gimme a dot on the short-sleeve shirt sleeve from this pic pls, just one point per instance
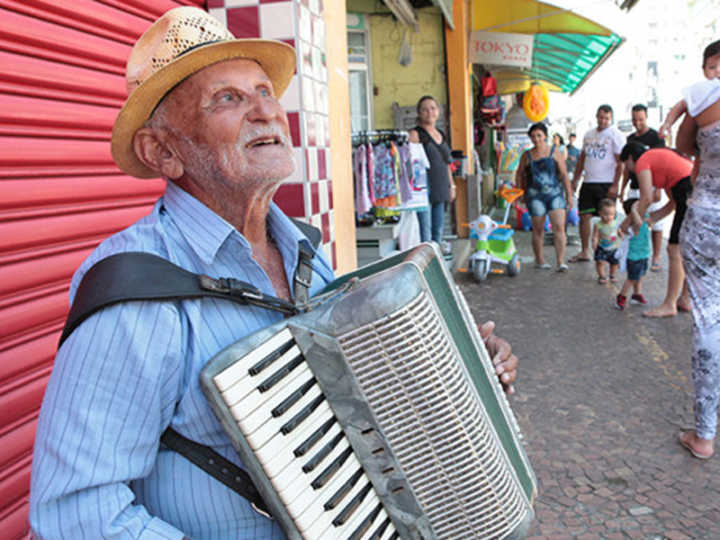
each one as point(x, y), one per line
point(701, 95)
point(618, 142)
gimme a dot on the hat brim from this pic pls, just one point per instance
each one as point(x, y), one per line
point(275, 57)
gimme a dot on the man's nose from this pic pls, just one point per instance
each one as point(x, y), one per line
point(263, 108)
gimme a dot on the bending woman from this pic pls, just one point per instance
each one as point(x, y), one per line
point(700, 247)
point(663, 168)
point(542, 174)
point(440, 184)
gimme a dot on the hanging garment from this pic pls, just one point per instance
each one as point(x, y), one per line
point(363, 202)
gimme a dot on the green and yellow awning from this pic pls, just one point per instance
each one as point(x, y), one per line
point(567, 48)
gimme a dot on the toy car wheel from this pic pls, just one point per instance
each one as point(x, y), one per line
point(480, 269)
point(513, 266)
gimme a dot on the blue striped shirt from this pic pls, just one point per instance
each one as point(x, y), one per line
point(131, 370)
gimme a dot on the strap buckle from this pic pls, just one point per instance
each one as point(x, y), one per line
point(261, 512)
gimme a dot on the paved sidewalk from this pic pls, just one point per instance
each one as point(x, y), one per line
point(600, 398)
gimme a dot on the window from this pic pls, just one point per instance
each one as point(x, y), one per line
point(359, 74)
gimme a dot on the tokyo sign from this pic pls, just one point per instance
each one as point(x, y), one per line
point(498, 49)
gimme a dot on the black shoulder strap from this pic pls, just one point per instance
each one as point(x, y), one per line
point(129, 276)
point(216, 466)
point(142, 276)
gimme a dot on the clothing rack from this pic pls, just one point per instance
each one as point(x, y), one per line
point(379, 136)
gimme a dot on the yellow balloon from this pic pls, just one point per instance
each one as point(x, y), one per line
point(536, 102)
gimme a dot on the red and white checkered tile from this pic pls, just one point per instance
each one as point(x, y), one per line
point(308, 193)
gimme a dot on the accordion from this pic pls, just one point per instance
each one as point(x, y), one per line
point(378, 413)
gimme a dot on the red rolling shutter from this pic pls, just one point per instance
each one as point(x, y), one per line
point(61, 85)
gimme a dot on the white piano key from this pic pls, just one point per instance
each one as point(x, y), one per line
point(388, 532)
point(379, 519)
point(274, 444)
point(293, 478)
point(239, 369)
point(305, 515)
point(278, 460)
point(281, 485)
point(314, 516)
point(271, 427)
point(246, 388)
point(365, 508)
point(255, 417)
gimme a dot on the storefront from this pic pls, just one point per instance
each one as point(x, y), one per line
point(61, 87)
point(524, 43)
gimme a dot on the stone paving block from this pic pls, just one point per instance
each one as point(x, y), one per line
point(640, 511)
point(676, 535)
point(603, 441)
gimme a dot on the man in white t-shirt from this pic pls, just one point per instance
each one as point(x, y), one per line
point(600, 162)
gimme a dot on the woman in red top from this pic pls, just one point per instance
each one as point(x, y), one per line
point(663, 168)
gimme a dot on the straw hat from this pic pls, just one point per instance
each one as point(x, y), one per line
point(182, 42)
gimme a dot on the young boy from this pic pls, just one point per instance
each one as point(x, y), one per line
point(638, 255)
point(606, 240)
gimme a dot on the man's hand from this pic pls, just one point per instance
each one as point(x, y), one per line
point(502, 358)
point(612, 192)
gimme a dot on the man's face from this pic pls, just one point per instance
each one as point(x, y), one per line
point(229, 128)
point(639, 121)
point(571, 139)
point(603, 119)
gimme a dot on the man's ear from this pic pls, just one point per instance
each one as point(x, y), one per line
point(152, 149)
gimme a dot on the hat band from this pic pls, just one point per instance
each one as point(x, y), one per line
point(200, 45)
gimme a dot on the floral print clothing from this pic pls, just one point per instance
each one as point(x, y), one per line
point(700, 246)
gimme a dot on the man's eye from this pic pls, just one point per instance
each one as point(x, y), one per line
point(227, 97)
point(264, 92)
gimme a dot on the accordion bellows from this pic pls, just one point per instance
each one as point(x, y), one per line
point(378, 413)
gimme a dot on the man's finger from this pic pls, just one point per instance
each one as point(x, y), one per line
point(486, 329)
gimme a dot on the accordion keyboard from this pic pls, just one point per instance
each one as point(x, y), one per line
point(280, 409)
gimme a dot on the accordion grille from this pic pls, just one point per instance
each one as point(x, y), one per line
point(412, 377)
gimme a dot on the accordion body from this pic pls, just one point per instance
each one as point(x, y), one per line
point(378, 413)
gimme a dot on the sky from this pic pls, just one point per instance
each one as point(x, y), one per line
point(623, 79)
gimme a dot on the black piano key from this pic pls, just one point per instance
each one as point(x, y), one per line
point(322, 453)
point(280, 374)
point(338, 496)
point(292, 398)
point(350, 508)
point(270, 358)
point(301, 415)
point(377, 535)
point(365, 525)
point(331, 469)
point(394, 536)
point(313, 438)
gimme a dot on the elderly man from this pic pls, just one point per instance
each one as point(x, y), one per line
point(202, 112)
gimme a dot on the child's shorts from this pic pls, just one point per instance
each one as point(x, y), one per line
point(636, 269)
point(608, 255)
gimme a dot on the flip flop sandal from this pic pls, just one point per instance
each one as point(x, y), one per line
point(602, 280)
point(613, 279)
point(578, 259)
point(690, 449)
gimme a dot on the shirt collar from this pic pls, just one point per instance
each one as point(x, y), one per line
point(206, 232)
point(203, 230)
